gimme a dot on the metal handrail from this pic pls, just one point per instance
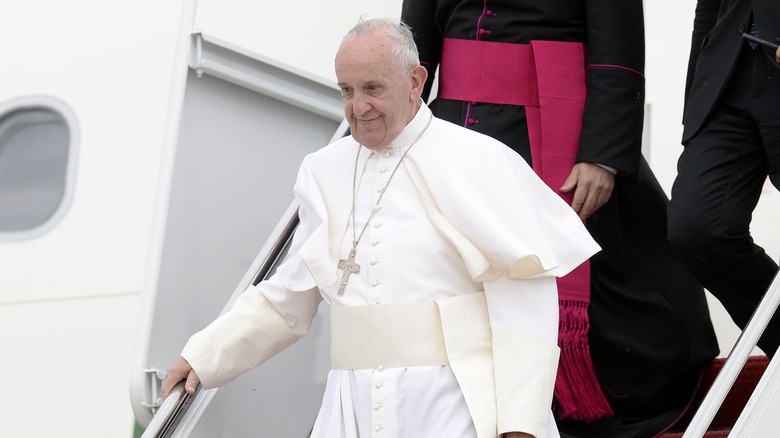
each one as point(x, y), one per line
point(277, 248)
point(167, 418)
point(170, 412)
point(735, 362)
point(173, 408)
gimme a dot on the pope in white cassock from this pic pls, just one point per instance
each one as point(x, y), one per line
point(437, 248)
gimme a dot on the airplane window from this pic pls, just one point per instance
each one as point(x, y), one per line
point(37, 161)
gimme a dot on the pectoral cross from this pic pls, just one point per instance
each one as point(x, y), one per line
point(350, 267)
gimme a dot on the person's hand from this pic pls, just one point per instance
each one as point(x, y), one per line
point(777, 55)
point(518, 435)
point(179, 370)
point(592, 185)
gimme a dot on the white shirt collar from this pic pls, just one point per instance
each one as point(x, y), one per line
point(412, 130)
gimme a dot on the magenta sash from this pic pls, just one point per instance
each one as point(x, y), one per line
point(548, 79)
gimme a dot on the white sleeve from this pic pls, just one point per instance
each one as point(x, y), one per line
point(250, 333)
point(524, 306)
point(524, 323)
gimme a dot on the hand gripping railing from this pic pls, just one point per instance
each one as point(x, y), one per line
point(173, 408)
point(170, 412)
point(735, 362)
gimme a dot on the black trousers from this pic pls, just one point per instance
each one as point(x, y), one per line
point(721, 173)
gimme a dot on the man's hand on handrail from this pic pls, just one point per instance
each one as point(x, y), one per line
point(180, 370)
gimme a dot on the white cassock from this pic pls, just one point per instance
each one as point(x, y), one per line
point(464, 225)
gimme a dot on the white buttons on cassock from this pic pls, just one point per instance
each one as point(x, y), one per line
point(382, 401)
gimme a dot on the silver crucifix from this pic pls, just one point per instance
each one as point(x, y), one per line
point(350, 267)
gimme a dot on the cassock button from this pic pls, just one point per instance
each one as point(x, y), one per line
point(375, 283)
point(387, 154)
point(484, 32)
point(377, 225)
point(375, 243)
point(379, 385)
point(377, 428)
point(383, 170)
point(377, 407)
point(373, 262)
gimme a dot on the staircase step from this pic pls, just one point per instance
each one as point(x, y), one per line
point(732, 405)
point(714, 433)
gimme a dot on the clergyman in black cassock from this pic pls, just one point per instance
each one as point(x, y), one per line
point(650, 332)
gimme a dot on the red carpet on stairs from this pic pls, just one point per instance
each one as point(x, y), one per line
point(732, 405)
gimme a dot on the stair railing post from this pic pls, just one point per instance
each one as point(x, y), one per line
point(735, 362)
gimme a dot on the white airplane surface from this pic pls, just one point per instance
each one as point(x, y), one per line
point(77, 284)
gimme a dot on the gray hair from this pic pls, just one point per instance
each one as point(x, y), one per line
point(404, 49)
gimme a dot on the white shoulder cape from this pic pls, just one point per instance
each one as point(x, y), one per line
point(481, 195)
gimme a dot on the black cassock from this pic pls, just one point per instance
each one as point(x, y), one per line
point(650, 329)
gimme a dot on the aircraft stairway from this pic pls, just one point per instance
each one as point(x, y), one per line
point(239, 126)
point(732, 405)
point(281, 388)
point(738, 395)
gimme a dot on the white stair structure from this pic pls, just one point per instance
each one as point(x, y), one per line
point(759, 418)
point(245, 124)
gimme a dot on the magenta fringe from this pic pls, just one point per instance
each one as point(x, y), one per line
point(578, 395)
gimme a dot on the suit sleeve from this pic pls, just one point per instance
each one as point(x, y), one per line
point(614, 106)
point(703, 22)
point(420, 16)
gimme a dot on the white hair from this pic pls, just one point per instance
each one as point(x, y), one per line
point(404, 50)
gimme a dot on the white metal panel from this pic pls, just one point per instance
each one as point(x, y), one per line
point(764, 395)
point(759, 418)
point(69, 297)
point(245, 125)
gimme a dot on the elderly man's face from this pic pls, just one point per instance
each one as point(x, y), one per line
point(380, 97)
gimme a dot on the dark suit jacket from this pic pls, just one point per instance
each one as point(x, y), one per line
point(715, 46)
